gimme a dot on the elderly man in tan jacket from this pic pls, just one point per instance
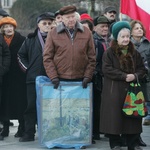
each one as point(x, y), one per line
point(69, 53)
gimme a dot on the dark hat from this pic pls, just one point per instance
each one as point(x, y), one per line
point(46, 15)
point(67, 10)
point(95, 21)
point(3, 13)
point(110, 9)
point(118, 26)
point(57, 13)
point(102, 20)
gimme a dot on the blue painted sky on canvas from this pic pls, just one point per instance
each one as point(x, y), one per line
point(71, 91)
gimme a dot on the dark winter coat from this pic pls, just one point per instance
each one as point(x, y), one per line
point(143, 47)
point(115, 68)
point(105, 43)
point(4, 61)
point(30, 57)
point(97, 77)
point(14, 100)
point(69, 58)
point(4, 58)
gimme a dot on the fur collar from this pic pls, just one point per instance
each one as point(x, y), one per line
point(126, 61)
point(61, 27)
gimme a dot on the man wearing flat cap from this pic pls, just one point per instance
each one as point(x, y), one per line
point(102, 42)
point(58, 17)
point(110, 13)
point(102, 31)
point(30, 58)
point(69, 53)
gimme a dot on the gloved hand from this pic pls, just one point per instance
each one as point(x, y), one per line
point(85, 82)
point(55, 81)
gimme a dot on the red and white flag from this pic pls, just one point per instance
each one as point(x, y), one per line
point(138, 10)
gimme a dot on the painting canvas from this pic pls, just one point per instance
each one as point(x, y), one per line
point(64, 114)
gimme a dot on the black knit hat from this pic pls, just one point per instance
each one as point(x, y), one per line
point(46, 15)
point(3, 13)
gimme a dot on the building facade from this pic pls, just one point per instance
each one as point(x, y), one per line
point(7, 4)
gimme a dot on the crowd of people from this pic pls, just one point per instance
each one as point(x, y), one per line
point(72, 46)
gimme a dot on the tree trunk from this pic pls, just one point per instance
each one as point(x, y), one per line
point(0, 4)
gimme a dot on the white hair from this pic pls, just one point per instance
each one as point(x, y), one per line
point(123, 29)
point(77, 16)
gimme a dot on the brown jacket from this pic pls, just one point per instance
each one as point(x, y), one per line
point(66, 58)
point(115, 68)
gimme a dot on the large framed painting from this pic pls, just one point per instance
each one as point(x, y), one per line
point(64, 114)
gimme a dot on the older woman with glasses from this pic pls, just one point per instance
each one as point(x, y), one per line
point(31, 61)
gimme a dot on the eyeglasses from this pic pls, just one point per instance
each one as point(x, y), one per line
point(46, 23)
point(112, 12)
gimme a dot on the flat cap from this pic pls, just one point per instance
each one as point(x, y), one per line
point(3, 13)
point(110, 9)
point(46, 15)
point(67, 10)
point(102, 20)
point(57, 13)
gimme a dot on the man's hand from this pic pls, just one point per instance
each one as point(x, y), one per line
point(130, 77)
point(55, 81)
point(85, 82)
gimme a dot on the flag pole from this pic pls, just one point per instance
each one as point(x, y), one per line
point(120, 16)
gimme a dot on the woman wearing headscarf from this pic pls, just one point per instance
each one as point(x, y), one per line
point(121, 63)
point(14, 100)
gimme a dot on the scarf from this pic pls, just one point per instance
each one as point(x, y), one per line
point(42, 38)
point(125, 60)
point(8, 39)
point(136, 43)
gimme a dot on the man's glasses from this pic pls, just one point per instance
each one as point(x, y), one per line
point(112, 12)
point(46, 23)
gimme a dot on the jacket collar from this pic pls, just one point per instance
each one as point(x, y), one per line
point(61, 27)
point(126, 61)
point(117, 50)
point(143, 40)
point(97, 36)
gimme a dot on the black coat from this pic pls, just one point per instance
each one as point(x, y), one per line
point(14, 100)
point(30, 57)
point(4, 58)
point(4, 61)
